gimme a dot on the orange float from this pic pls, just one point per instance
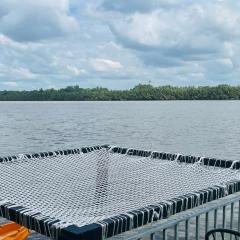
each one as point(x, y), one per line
point(13, 231)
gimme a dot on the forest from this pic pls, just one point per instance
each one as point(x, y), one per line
point(138, 93)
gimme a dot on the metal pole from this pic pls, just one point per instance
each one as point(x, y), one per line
point(197, 227)
point(164, 234)
point(231, 216)
point(153, 236)
point(239, 216)
point(176, 232)
point(215, 218)
point(224, 217)
point(186, 229)
point(215, 221)
point(206, 222)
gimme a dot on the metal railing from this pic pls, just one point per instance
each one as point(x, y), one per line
point(191, 224)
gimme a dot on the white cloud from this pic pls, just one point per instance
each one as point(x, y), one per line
point(104, 65)
point(195, 27)
point(120, 44)
point(10, 84)
point(176, 35)
point(126, 6)
point(5, 41)
point(16, 73)
point(224, 65)
point(23, 73)
point(75, 70)
point(29, 20)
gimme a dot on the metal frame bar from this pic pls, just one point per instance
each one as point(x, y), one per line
point(174, 220)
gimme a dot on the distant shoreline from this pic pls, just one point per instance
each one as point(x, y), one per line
point(138, 93)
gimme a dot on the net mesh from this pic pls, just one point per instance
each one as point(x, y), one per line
point(85, 188)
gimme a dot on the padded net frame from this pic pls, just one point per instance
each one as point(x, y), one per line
point(101, 191)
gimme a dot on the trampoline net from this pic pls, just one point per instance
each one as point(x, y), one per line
point(80, 189)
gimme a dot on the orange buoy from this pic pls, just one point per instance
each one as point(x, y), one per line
point(13, 231)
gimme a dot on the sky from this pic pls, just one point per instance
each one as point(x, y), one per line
point(118, 43)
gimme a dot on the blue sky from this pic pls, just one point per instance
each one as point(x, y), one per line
point(118, 43)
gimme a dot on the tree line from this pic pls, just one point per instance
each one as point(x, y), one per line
point(139, 92)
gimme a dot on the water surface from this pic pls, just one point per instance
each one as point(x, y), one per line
point(206, 128)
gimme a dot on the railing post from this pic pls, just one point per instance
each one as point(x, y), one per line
point(206, 222)
point(231, 216)
point(176, 232)
point(186, 229)
point(153, 236)
point(239, 215)
point(224, 217)
point(197, 227)
point(164, 234)
point(215, 218)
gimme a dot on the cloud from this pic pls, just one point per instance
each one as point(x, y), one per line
point(29, 20)
point(118, 43)
point(224, 65)
point(126, 6)
point(199, 28)
point(19, 73)
point(10, 84)
point(75, 70)
point(23, 73)
point(175, 34)
point(129, 6)
point(104, 65)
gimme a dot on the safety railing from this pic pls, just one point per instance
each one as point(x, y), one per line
point(191, 224)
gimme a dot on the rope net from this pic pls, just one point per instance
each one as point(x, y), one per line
point(81, 189)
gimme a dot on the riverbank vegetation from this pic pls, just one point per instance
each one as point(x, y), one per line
point(139, 92)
